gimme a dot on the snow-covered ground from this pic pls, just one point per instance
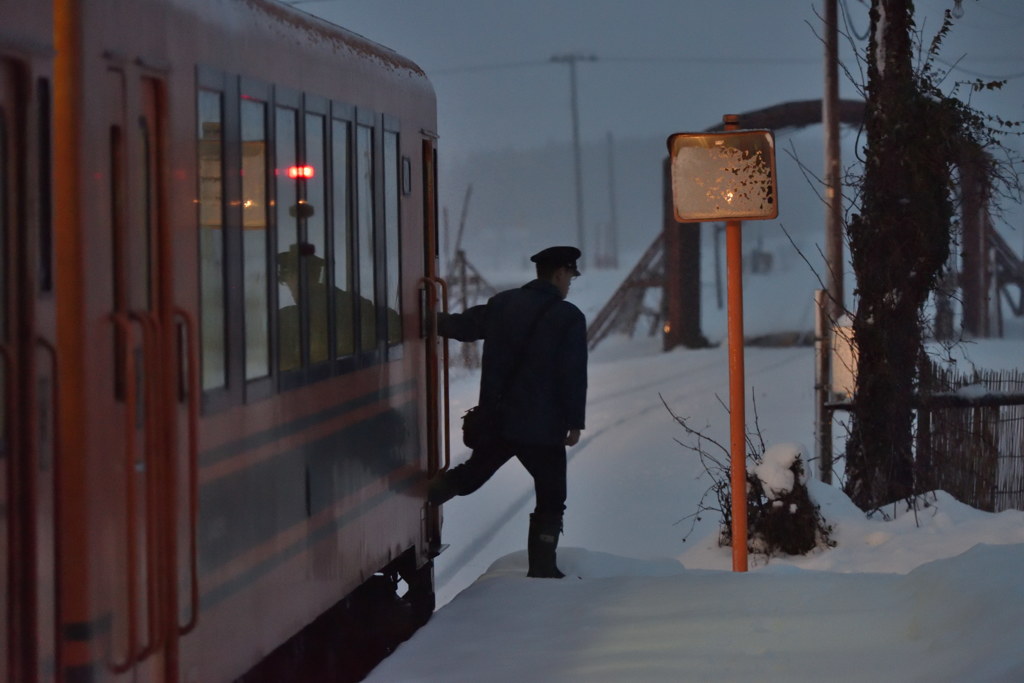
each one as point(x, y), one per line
point(929, 595)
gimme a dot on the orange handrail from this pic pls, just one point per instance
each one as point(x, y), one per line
point(447, 402)
point(440, 284)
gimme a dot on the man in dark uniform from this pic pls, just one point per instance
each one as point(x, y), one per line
point(534, 377)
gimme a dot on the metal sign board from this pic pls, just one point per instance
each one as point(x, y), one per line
point(723, 176)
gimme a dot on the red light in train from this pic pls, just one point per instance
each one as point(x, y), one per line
point(301, 172)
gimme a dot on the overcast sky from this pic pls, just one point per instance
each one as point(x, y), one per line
point(662, 66)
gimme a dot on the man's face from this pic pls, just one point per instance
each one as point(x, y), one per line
point(563, 280)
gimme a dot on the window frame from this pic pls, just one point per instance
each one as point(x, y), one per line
point(339, 224)
point(220, 397)
point(345, 114)
point(367, 119)
point(390, 125)
point(284, 98)
point(261, 387)
point(320, 107)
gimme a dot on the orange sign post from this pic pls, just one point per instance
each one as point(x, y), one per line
point(728, 176)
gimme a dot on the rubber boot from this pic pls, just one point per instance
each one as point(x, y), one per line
point(542, 544)
point(441, 490)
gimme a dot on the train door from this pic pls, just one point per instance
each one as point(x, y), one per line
point(145, 608)
point(28, 378)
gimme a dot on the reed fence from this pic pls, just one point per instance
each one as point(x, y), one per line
point(970, 440)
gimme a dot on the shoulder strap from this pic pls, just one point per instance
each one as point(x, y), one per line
point(526, 340)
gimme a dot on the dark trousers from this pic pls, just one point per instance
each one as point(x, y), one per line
point(546, 464)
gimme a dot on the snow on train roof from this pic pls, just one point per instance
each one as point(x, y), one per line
point(325, 29)
point(314, 31)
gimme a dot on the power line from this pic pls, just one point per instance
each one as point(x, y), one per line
point(970, 72)
point(848, 20)
point(631, 60)
point(717, 60)
point(489, 67)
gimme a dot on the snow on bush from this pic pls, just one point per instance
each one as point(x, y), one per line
point(781, 517)
point(775, 471)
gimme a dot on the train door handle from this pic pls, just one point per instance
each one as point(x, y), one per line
point(125, 323)
point(447, 403)
point(154, 409)
point(441, 285)
point(425, 308)
point(188, 369)
point(124, 330)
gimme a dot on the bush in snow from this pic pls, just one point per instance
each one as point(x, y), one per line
point(780, 513)
point(781, 517)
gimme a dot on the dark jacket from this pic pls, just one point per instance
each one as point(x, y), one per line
point(548, 394)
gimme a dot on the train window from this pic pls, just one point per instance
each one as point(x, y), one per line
point(213, 309)
point(254, 238)
point(392, 238)
point(365, 236)
point(316, 293)
point(318, 211)
point(344, 322)
point(288, 210)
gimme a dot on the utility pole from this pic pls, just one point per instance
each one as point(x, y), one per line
point(612, 256)
point(571, 60)
point(829, 302)
point(833, 181)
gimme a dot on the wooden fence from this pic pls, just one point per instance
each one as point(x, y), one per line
point(970, 440)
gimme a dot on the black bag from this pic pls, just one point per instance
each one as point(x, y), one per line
point(480, 427)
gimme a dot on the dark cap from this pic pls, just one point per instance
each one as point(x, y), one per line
point(559, 256)
point(288, 261)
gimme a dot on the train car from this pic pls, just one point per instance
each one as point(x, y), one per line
point(222, 398)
